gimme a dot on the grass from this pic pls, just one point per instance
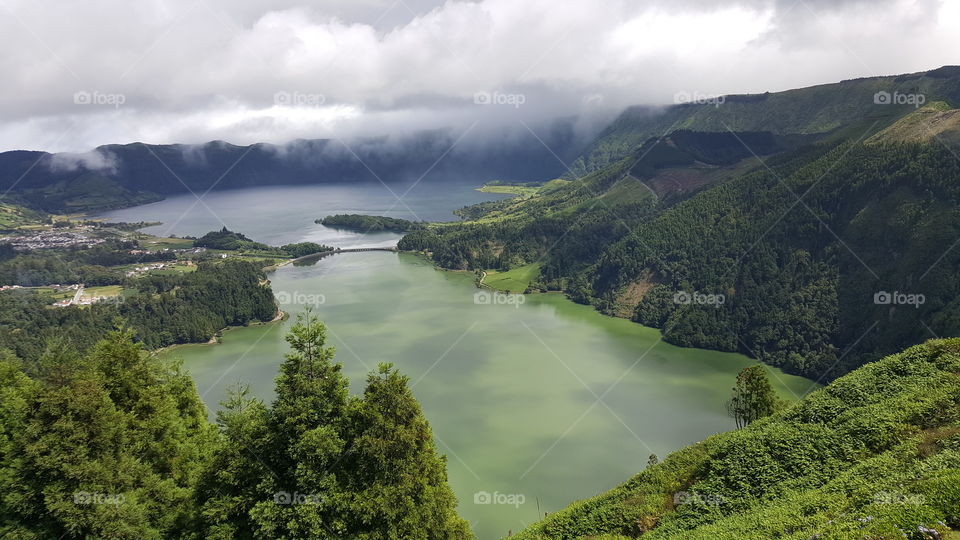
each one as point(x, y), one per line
point(514, 280)
point(12, 217)
point(171, 243)
point(178, 269)
point(523, 191)
point(106, 290)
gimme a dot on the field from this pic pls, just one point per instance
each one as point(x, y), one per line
point(108, 290)
point(513, 280)
point(156, 242)
point(178, 269)
point(507, 188)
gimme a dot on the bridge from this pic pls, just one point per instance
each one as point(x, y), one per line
point(321, 254)
point(351, 250)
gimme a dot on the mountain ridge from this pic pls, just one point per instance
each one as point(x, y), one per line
point(814, 110)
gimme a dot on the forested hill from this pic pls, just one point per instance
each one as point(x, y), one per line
point(875, 454)
point(121, 175)
point(161, 310)
point(819, 111)
point(825, 257)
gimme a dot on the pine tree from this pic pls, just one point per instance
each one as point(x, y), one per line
point(398, 481)
point(306, 428)
point(109, 446)
point(233, 484)
point(320, 464)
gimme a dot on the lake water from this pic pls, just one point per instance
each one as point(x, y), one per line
point(536, 404)
point(286, 214)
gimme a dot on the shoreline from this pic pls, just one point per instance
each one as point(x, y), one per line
point(215, 340)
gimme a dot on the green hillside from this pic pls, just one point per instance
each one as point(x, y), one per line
point(13, 216)
point(875, 454)
point(936, 121)
point(817, 111)
point(89, 192)
point(799, 243)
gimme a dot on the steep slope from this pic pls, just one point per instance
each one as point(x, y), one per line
point(875, 454)
point(936, 121)
point(816, 111)
point(827, 256)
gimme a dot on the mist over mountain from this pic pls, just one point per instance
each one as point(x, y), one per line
point(120, 175)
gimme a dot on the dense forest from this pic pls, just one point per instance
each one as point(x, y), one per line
point(228, 240)
point(798, 249)
point(165, 310)
point(114, 443)
point(88, 265)
point(365, 223)
point(875, 454)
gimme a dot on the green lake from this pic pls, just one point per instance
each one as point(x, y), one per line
point(535, 404)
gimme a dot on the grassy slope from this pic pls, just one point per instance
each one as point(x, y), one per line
point(822, 110)
point(524, 191)
point(13, 216)
point(514, 280)
point(875, 454)
point(936, 121)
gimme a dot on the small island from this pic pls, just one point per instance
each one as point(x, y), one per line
point(367, 223)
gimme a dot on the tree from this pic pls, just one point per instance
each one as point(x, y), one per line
point(110, 445)
point(398, 482)
point(322, 464)
point(753, 397)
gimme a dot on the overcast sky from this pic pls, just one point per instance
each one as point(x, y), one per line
point(80, 74)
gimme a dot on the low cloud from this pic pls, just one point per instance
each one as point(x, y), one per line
point(95, 160)
point(244, 71)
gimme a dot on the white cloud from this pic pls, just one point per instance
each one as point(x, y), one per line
point(194, 71)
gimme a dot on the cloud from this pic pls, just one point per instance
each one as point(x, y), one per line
point(95, 160)
point(245, 71)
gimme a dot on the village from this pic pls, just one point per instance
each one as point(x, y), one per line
point(51, 239)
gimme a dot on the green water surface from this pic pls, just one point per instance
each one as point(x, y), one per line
point(543, 402)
